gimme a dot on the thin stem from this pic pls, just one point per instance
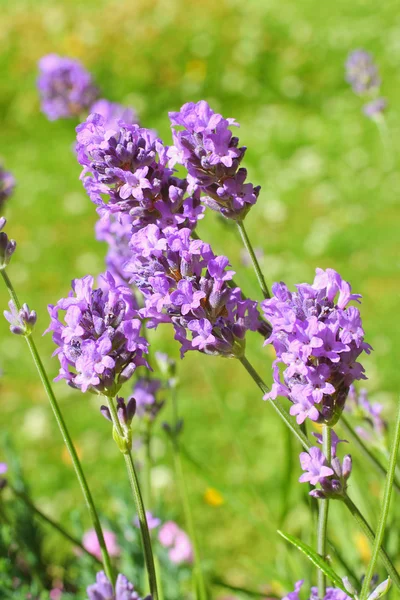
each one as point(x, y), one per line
point(66, 437)
point(140, 509)
point(323, 513)
point(282, 412)
point(365, 527)
point(147, 492)
point(52, 523)
point(384, 510)
point(199, 577)
point(366, 451)
point(256, 265)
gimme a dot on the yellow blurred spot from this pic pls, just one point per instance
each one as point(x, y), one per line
point(213, 497)
point(65, 457)
point(363, 547)
point(271, 351)
point(196, 70)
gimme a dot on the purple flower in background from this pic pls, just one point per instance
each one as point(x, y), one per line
point(99, 343)
point(375, 108)
point(3, 468)
point(361, 72)
point(125, 173)
point(374, 426)
point(103, 590)
point(173, 537)
point(332, 479)
point(112, 112)
point(295, 594)
point(21, 321)
point(7, 246)
point(117, 234)
point(145, 393)
point(210, 153)
point(152, 521)
point(7, 185)
point(334, 441)
point(318, 338)
point(66, 88)
point(91, 543)
point(185, 284)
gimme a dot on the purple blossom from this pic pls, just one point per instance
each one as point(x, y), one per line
point(21, 321)
point(7, 185)
point(99, 343)
point(125, 173)
point(117, 234)
point(91, 542)
point(331, 594)
point(210, 153)
point(7, 246)
point(334, 441)
point(152, 521)
point(295, 594)
point(318, 338)
point(375, 108)
point(3, 468)
point(173, 537)
point(361, 72)
point(103, 590)
point(332, 479)
point(66, 88)
point(185, 284)
point(145, 392)
point(374, 426)
point(112, 112)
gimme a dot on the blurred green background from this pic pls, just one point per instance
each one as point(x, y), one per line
point(330, 198)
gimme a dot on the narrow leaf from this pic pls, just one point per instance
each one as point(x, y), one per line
point(317, 560)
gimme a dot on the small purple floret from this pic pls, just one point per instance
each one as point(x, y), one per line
point(361, 72)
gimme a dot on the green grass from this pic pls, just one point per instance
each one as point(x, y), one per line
point(330, 198)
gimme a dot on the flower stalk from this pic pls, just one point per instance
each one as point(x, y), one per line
point(323, 513)
point(66, 436)
point(256, 265)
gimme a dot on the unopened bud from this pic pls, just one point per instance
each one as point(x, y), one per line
point(381, 590)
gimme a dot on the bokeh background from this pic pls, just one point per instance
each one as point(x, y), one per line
point(330, 198)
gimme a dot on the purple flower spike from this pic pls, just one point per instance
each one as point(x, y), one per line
point(103, 590)
point(315, 466)
point(361, 72)
point(7, 185)
point(185, 284)
point(375, 108)
point(99, 343)
point(374, 426)
point(21, 321)
point(318, 338)
point(65, 87)
point(145, 393)
point(125, 174)
point(210, 153)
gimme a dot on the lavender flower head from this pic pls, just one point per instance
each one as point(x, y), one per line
point(113, 112)
point(145, 392)
point(103, 590)
point(375, 426)
point(66, 88)
point(7, 185)
point(204, 144)
point(361, 72)
point(375, 108)
point(331, 478)
point(125, 173)
point(318, 338)
point(185, 284)
point(99, 343)
point(21, 321)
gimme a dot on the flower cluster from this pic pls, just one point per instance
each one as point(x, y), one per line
point(361, 407)
point(318, 338)
point(7, 184)
point(362, 74)
point(337, 593)
point(125, 173)
point(180, 548)
point(99, 343)
point(113, 112)
point(185, 284)
point(65, 87)
point(209, 151)
point(7, 246)
point(103, 589)
point(332, 478)
point(145, 393)
point(21, 321)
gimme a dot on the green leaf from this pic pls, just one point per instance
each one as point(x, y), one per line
point(317, 560)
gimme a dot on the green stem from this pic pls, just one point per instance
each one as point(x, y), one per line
point(366, 451)
point(365, 527)
point(140, 509)
point(282, 412)
point(323, 513)
point(52, 523)
point(147, 492)
point(66, 437)
point(384, 510)
point(198, 571)
point(256, 265)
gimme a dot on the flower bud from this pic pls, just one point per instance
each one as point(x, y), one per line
point(105, 411)
point(381, 590)
point(7, 249)
point(21, 321)
point(347, 466)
